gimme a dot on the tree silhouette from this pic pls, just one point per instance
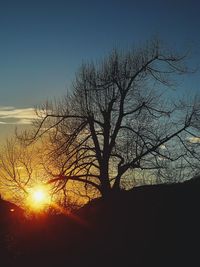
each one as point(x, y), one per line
point(117, 122)
point(19, 168)
point(16, 168)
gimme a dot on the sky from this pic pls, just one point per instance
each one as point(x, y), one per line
point(43, 43)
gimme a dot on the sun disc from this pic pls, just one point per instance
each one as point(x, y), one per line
point(39, 195)
point(38, 198)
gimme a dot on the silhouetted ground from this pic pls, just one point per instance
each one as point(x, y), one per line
point(147, 226)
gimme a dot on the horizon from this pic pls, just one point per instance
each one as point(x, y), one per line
point(111, 90)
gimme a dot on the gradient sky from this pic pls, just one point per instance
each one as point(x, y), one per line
point(43, 43)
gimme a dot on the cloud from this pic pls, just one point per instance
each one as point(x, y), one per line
point(12, 115)
point(162, 146)
point(161, 158)
point(194, 140)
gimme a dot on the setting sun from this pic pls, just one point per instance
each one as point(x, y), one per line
point(38, 198)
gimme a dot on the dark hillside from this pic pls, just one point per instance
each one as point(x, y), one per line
point(146, 226)
point(150, 225)
point(11, 220)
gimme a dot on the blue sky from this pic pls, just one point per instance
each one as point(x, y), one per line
point(43, 43)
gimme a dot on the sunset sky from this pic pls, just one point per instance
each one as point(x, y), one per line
point(43, 43)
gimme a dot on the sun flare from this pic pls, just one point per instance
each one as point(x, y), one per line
point(39, 195)
point(38, 198)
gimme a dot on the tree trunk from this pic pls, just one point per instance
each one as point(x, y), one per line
point(116, 186)
point(105, 183)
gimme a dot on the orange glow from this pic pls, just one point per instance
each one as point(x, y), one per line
point(38, 198)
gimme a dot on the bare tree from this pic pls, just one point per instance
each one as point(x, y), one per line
point(15, 168)
point(117, 123)
point(18, 169)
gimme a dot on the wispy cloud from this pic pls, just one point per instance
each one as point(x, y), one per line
point(12, 115)
point(162, 146)
point(194, 140)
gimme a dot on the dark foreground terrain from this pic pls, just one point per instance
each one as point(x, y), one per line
point(147, 226)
